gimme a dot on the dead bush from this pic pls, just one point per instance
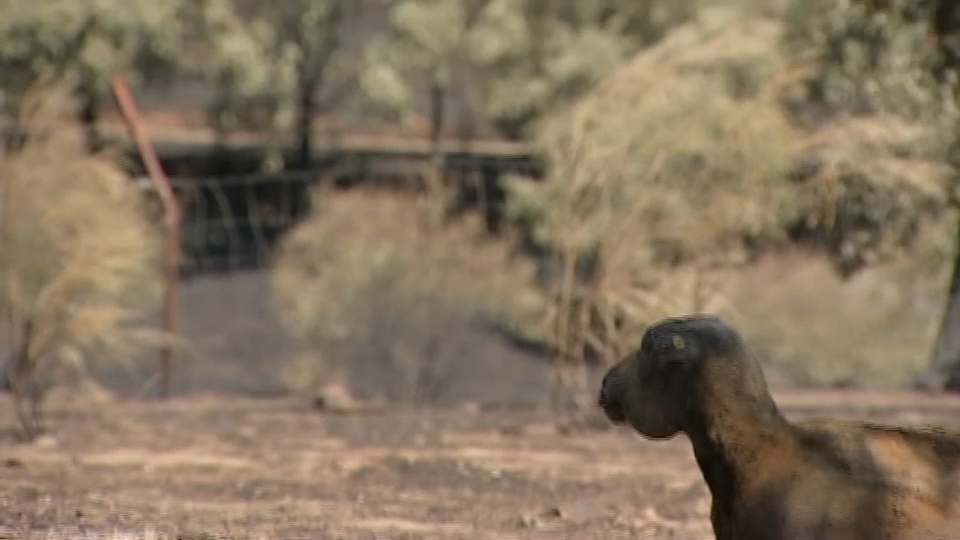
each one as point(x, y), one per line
point(367, 268)
point(679, 160)
point(77, 253)
point(873, 195)
point(881, 120)
point(691, 161)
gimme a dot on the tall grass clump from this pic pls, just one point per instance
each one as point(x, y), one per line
point(78, 255)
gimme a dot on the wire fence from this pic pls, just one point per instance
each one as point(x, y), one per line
point(234, 222)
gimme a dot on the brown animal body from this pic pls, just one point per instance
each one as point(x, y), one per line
point(771, 479)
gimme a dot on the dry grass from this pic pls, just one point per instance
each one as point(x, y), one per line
point(687, 131)
point(78, 254)
point(815, 328)
point(367, 266)
point(682, 167)
point(881, 192)
point(672, 161)
point(881, 126)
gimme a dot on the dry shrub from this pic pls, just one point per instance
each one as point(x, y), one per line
point(876, 192)
point(78, 255)
point(366, 267)
point(686, 165)
point(873, 184)
point(689, 131)
point(672, 167)
point(875, 180)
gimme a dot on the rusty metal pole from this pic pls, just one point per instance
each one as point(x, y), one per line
point(171, 211)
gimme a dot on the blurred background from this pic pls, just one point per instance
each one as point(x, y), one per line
point(487, 201)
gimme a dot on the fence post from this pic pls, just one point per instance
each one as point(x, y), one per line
point(171, 220)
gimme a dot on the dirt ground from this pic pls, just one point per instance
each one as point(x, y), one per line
point(225, 467)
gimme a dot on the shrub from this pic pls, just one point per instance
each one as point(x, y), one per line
point(672, 167)
point(367, 268)
point(78, 252)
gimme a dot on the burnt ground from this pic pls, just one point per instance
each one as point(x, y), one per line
point(211, 466)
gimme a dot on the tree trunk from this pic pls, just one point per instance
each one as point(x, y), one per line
point(317, 40)
point(436, 170)
point(89, 115)
point(493, 200)
point(437, 105)
point(308, 106)
point(946, 357)
point(22, 378)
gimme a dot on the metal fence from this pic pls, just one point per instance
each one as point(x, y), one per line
point(233, 222)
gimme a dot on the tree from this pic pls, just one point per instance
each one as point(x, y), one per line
point(528, 57)
point(640, 220)
point(281, 68)
point(635, 219)
point(248, 77)
point(91, 41)
point(426, 38)
point(539, 54)
point(315, 33)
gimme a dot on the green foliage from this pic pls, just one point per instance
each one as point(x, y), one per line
point(872, 58)
point(426, 39)
point(428, 32)
point(258, 65)
point(383, 83)
point(531, 54)
point(91, 40)
point(539, 55)
point(262, 64)
point(881, 187)
point(253, 75)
